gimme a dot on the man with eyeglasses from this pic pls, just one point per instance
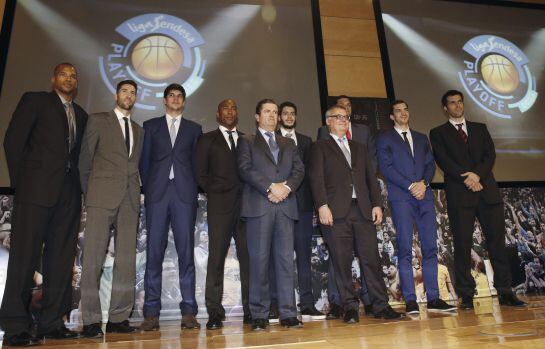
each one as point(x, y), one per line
point(361, 134)
point(42, 145)
point(347, 195)
point(167, 167)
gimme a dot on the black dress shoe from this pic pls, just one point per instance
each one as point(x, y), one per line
point(388, 314)
point(92, 331)
point(291, 322)
point(351, 316)
point(411, 307)
point(119, 327)
point(511, 300)
point(335, 312)
point(368, 309)
point(23, 339)
point(466, 303)
point(312, 313)
point(259, 324)
point(247, 320)
point(214, 323)
point(61, 333)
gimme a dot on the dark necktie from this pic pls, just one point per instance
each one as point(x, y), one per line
point(71, 124)
point(127, 136)
point(273, 146)
point(461, 132)
point(404, 133)
point(231, 140)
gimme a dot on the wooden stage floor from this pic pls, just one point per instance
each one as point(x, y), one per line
point(489, 326)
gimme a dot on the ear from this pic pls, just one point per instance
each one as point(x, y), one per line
point(257, 117)
point(392, 117)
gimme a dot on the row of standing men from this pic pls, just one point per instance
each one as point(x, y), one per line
point(262, 190)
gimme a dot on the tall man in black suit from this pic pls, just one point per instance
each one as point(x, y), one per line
point(217, 175)
point(347, 195)
point(465, 152)
point(271, 170)
point(303, 227)
point(362, 134)
point(42, 146)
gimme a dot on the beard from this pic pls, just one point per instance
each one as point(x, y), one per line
point(287, 127)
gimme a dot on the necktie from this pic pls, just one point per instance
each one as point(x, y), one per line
point(172, 133)
point(348, 135)
point(231, 140)
point(404, 133)
point(344, 149)
point(273, 146)
point(71, 124)
point(461, 132)
point(127, 136)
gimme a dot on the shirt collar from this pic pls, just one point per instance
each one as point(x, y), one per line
point(263, 131)
point(400, 131)
point(177, 117)
point(457, 121)
point(224, 129)
point(284, 131)
point(337, 138)
point(63, 101)
point(120, 115)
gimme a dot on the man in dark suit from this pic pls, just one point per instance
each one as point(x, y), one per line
point(272, 171)
point(303, 227)
point(406, 162)
point(217, 175)
point(465, 152)
point(110, 182)
point(347, 195)
point(167, 168)
point(42, 146)
point(362, 134)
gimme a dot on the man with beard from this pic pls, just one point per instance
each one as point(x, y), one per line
point(110, 181)
point(167, 168)
point(303, 227)
point(42, 145)
point(465, 152)
point(218, 176)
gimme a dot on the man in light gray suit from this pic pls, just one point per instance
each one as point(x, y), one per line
point(108, 166)
point(271, 169)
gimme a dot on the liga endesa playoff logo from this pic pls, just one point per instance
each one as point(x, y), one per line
point(154, 50)
point(497, 76)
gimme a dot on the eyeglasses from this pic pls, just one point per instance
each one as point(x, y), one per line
point(340, 117)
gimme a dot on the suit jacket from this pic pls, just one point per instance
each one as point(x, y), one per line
point(258, 171)
point(303, 194)
point(107, 172)
point(455, 157)
point(217, 172)
point(332, 178)
point(400, 168)
point(158, 155)
point(36, 146)
point(361, 134)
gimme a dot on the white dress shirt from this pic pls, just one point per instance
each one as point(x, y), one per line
point(169, 119)
point(409, 137)
point(225, 134)
point(455, 122)
point(284, 133)
point(120, 117)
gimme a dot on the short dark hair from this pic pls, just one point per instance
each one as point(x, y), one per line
point(396, 102)
point(174, 87)
point(259, 105)
point(341, 97)
point(287, 104)
point(451, 93)
point(126, 82)
point(59, 66)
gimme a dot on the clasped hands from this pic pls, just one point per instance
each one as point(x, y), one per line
point(418, 190)
point(278, 192)
point(472, 181)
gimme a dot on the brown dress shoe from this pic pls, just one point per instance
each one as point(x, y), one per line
point(190, 322)
point(150, 323)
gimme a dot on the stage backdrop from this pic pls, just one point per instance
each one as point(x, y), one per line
point(525, 221)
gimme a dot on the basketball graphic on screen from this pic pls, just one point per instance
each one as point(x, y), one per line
point(500, 74)
point(157, 57)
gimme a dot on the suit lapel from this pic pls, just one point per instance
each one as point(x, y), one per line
point(332, 143)
point(114, 123)
point(61, 112)
point(399, 140)
point(218, 137)
point(136, 137)
point(453, 133)
point(261, 143)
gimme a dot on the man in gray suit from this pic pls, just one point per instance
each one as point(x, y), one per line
point(110, 182)
point(271, 169)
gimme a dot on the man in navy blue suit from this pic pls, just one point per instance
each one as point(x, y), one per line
point(272, 171)
point(406, 161)
point(170, 189)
